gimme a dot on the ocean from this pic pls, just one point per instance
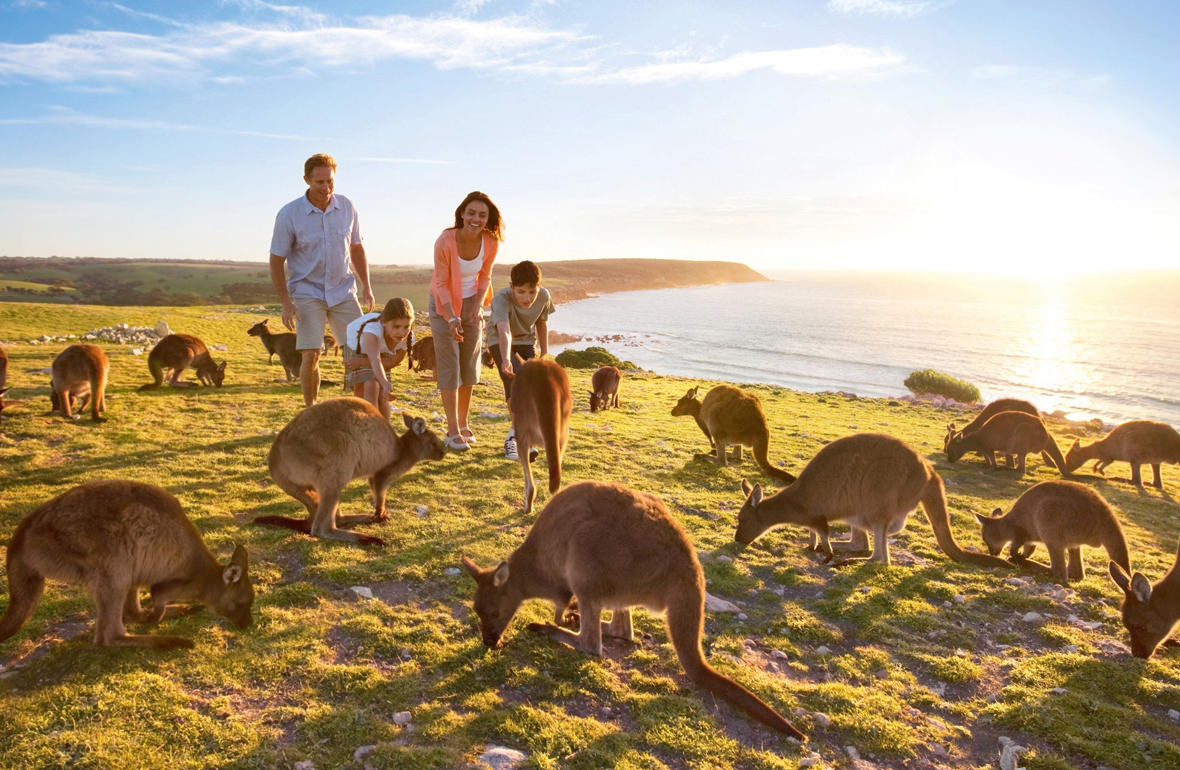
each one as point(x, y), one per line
point(1104, 346)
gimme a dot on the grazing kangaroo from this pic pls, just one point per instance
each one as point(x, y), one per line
point(604, 386)
point(3, 377)
point(1013, 433)
point(1150, 612)
point(610, 548)
point(989, 411)
point(80, 371)
point(870, 480)
point(283, 344)
point(731, 416)
point(422, 355)
point(114, 537)
point(1064, 515)
point(178, 351)
point(1137, 442)
point(333, 442)
point(541, 405)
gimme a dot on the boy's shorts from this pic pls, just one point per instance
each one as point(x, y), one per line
point(314, 313)
point(524, 351)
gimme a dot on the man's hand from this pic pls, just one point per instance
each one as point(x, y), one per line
point(367, 299)
point(290, 314)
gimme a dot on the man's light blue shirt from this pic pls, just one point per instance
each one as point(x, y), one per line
point(316, 246)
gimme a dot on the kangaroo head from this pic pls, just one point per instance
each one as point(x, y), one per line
point(687, 404)
point(419, 441)
point(954, 447)
point(2, 392)
point(496, 601)
point(1073, 458)
point(258, 329)
point(597, 401)
point(950, 434)
point(235, 596)
point(751, 523)
point(1148, 622)
point(218, 375)
point(995, 532)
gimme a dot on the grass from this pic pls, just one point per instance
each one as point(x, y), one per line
point(925, 663)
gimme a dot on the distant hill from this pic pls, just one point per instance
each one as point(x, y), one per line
point(93, 281)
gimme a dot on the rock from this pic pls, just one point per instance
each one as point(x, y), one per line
point(451, 571)
point(362, 591)
point(821, 719)
point(713, 604)
point(362, 751)
point(1058, 691)
point(162, 329)
point(1032, 617)
point(402, 718)
point(220, 346)
point(406, 654)
point(502, 757)
point(959, 599)
point(137, 351)
point(1174, 715)
point(1010, 755)
point(823, 650)
point(420, 510)
point(779, 655)
point(724, 558)
point(852, 753)
point(305, 764)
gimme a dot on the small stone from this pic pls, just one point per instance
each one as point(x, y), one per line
point(1071, 648)
point(741, 616)
point(1032, 617)
point(502, 757)
point(852, 753)
point(821, 719)
point(1174, 715)
point(1058, 691)
point(960, 599)
point(362, 591)
point(724, 558)
point(402, 718)
point(1010, 755)
point(948, 605)
point(811, 761)
point(713, 604)
point(362, 752)
point(137, 351)
point(406, 654)
point(305, 764)
point(823, 650)
point(220, 346)
point(420, 510)
point(451, 571)
point(779, 655)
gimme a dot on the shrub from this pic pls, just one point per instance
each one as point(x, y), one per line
point(590, 358)
point(930, 381)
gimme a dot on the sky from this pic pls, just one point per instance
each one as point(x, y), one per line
point(1003, 136)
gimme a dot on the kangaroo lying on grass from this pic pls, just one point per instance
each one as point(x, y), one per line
point(1150, 612)
point(731, 416)
point(177, 352)
point(80, 371)
point(1137, 442)
point(1064, 515)
point(114, 537)
point(870, 480)
point(283, 344)
point(989, 411)
point(604, 386)
point(333, 442)
point(1012, 433)
point(610, 549)
point(541, 405)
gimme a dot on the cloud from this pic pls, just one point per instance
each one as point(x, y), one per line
point(97, 121)
point(58, 181)
point(1046, 77)
point(404, 160)
point(881, 7)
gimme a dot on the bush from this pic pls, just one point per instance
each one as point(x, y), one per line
point(590, 358)
point(930, 381)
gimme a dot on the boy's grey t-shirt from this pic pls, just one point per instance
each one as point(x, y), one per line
point(522, 321)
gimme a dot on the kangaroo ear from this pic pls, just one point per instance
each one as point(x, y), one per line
point(241, 557)
point(501, 576)
point(753, 494)
point(471, 567)
point(1076, 443)
point(419, 426)
point(982, 519)
point(221, 366)
point(232, 574)
point(1120, 577)
point(1141, 588)
point(997, 512)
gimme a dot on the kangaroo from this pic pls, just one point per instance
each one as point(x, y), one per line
point(330, 344)
point(114, 537)
point(3, 377)
point(178, 351)
point(1136, 442)
point(1150, 612)
point(604, 385)
point(610, 548)
point(870, 480)
point(80, 371)
point(1064, 515)
point(989, 411)
point(333, 442)
point(731, 416)
point(1013, 433)
point(283, 344)
point(541, 405)
point(422, 355)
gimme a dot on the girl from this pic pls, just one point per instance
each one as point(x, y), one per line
point(459, 288)
point(373, 345)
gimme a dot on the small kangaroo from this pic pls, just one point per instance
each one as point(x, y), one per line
point(3, 377)
point(422, 355)
point(114, 537)
point(333, 442)
point(1150, 612)
point(541, 405)
point(731, 416)
point(610, 548)
point(1064, 515)
point(80, 371)
point(989, 411)
point(283, 344)
point(178, 351)
point(1137, 442)
point(870, 480)
point(604, 386)
point(1013, 433)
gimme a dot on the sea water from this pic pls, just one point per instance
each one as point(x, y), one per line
point(1105, 346)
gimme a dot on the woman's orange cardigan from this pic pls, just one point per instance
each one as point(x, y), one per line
point(446, 282)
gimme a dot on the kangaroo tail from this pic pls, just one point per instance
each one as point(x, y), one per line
point(1116, 549)
point(287, 522)
point(761, 450)
point(686, 620)
point(934, 504)
point(549, 413)
point(157, 370)
point(25, 585)
point(1055, 455)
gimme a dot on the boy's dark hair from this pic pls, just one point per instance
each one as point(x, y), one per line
point(525, 273)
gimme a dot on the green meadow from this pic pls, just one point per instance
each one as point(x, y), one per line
point(924, 664)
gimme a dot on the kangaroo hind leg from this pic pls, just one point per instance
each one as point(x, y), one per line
point(25, 586)
point(109, 631)
point(620, 625)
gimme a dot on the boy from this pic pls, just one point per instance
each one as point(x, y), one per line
point(520, 315)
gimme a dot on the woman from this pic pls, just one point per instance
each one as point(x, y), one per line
point(374, 344)
point(459, 288)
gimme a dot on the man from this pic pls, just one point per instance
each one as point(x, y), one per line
point(318, 238)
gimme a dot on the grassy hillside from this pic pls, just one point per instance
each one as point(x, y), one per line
point(141, 282)
point(925, 664)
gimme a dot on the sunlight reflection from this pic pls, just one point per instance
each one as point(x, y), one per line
point(1051, 364)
